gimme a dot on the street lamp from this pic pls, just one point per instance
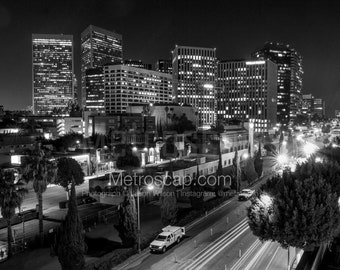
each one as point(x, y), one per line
point(318, 160)
point(245, 156)
point(282, 159)
point(309, 148)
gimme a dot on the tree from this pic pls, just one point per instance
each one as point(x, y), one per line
point(290, 143)
point(258, 162)
point(127, 225)
point(270, 148)
point(296, 210)
point(168, 196)
point(329, 169)
point(248, 171)
point(70, 246)
point(181, 124)
point(12, 193)
point(326, 128)
point(326, 141)
point(219, 186)
point(197, 196)
point(236, 172)
point(41, 171)
point(127, 160)
point(281, 139)
point(168, 202)
point(69, 173)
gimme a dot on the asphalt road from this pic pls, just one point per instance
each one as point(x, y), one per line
point(221, 233)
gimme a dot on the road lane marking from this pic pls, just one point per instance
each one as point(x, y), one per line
point(204, 256)
point(246, 255)
point(271, 260)
point(257, 256)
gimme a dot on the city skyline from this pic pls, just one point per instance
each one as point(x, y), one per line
point(312, 23)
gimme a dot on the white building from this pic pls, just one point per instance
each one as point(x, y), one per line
point(247, 90)
point(194, 71)
point(125, 85)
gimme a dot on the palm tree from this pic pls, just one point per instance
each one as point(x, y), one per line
point(39, 169)
point(11, 196)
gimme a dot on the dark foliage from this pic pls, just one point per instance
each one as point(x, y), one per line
point(39, 169)
point(69, 171)
point(248, 171)
point(258, 162)
point(67, 141)
point(169, 149)
point(127, 159)
point(180, 124)
point(270, 148)
point(11, 196)
point(197, 196)
point(127, 226)
point(298, 209)
point(70, 245)
point(168, 202)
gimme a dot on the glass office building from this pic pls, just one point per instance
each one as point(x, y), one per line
point(98, 48)
point(247, 90)
point(52, 72)
point(194, 71)
point(289, 90)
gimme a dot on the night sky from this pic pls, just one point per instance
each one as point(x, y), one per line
point(151, 29)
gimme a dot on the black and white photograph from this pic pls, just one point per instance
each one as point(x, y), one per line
point(169, 135)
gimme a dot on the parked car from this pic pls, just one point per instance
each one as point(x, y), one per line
point(169, 236)
point(245, 194)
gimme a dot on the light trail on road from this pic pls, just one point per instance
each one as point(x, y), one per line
point(213, 249)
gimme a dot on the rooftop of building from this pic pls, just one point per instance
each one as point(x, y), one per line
point(159, 104)
point(102, 30)
point(193, 47)
point(136, 69)
point(52, 36)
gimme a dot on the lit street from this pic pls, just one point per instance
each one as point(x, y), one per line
point(169, 135)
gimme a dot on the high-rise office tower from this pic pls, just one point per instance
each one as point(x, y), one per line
point(194, 71)
point(94, 81)
point(247, 90)
point(52, 72)
point(289, 64)
point(126, 85)
point(163, 65)
point(307, 105)
point(319, 107)
point(98, 48)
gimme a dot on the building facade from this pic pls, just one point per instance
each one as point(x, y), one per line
point(319, 107)
point(163, 65)
point(98, 48)
point(52, 72)
point(289, 87)
point(94, 83)
point(125, 85)
point(70, 125)
point(194, 73)
point(165, 113)
point(307, 105)
point(247, 90)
